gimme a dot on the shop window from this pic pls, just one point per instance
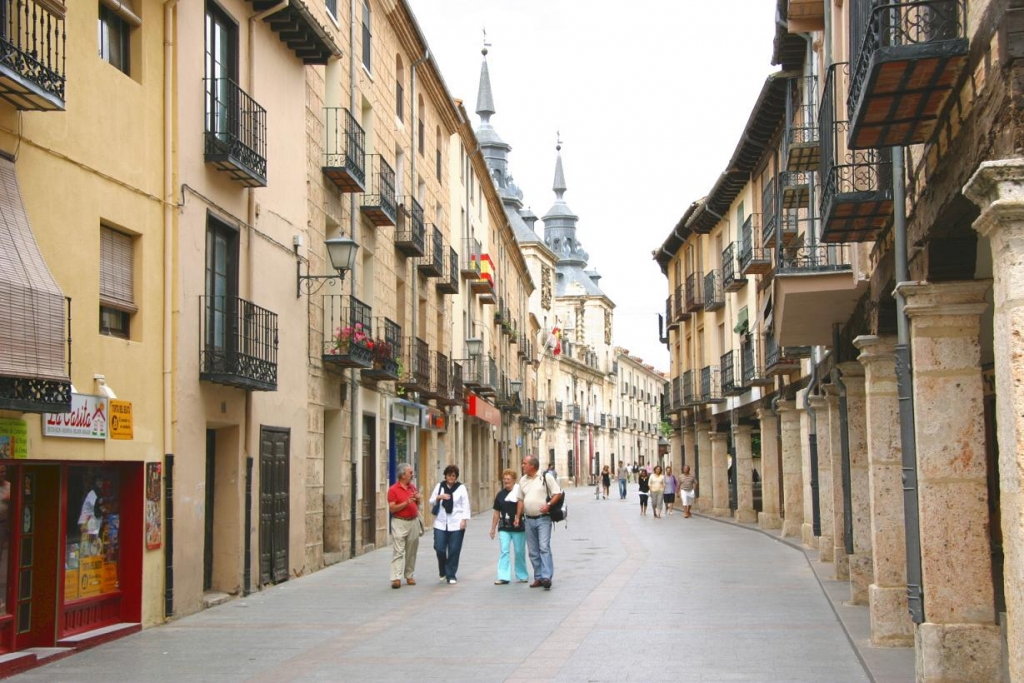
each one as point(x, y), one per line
point(93, 513)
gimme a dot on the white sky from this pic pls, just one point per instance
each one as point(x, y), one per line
point(650, 97)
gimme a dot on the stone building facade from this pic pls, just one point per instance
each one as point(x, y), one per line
point(868, 212)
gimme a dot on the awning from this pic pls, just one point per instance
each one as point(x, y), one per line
point(479, 408)
point(32, 308)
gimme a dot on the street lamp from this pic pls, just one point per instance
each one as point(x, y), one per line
point(474, 346)
point(341, 251)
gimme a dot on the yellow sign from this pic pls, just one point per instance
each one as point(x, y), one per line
point(120, 419)
point(13, 439)
point(109, 577)
point(90, 578)
point(70, 584)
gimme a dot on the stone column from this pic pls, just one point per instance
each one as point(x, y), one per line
point(720, 475)
point(825, 542)
point(861, 569)
point(792, 472)
point(997, 187)
point(769, 517)
point(744, 476)
point(887, 595)
point(838, 498)
point(807, 536)
point(688, 449)
point(959, 639)
point(705, 485)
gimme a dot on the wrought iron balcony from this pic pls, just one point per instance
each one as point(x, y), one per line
point(236, 133)
point(440, 379)
point(754, 260)
point(732, 279)
point(794, 226)
point(379, 203)
point(483, 285)
point(458, 387)
point(416, 366)
point(710, 385)
point(572, 413)
point(387, 351)
point(238, 343)
point(804, 152)
point(432, 263)
point(530, 413)
point(41, 389)
point(676, 402)
point(911, 55)
point(480, 373)
point(821, 258)
point(753, 364)
point(694, 292)
point(731, 375)
point(856, 186)
point(449, 282)
point(782, 360)
point(679, 312)
point(469, 267)
point(796, 189)
point(690, 396)
point(300, 30)
point(669, 318)
point(33, 45)
point(344, 150)
point(714, 296)
point(554, 410)
point(410, 232)
point(769, 211)
point(348, 339)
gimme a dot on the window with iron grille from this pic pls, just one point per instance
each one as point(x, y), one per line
point(117, 283)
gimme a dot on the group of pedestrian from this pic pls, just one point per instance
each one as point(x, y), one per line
point(521, 519)
point(659, 488)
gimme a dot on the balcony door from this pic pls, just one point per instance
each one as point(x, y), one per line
point(221, 71)
point(221, 294)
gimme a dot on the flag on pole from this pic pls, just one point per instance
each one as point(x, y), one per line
point(555, 341)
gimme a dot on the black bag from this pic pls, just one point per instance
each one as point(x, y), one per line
point(559, 511)
point(436, 509)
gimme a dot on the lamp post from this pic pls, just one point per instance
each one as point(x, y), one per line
point(342, 253)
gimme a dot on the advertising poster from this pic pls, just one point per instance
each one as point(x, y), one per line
point(87, 419)
point(13, 439)
point(154, 492)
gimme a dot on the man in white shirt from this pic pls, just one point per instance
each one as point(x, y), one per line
point(534, 508)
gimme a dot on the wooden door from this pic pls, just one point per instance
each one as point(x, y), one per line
point(37, 531)
point(274, 460)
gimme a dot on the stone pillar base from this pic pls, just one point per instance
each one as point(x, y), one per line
point(791, 528)
point(767, 520)
point(842, 563)
point(890, 621)
point(861, 576)
point(807, 535)
point(702, 505)
point(826, 549)
point(721, 512)
point(957, 652)
point(746, 516)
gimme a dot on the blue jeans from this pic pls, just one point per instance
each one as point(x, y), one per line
point(448, 546)
point(622, 488)
point(517, 540)
point(538, 538)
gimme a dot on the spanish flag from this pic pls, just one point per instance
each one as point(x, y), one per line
point(555, 341)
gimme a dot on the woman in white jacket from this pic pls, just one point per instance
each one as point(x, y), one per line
point(451, 502)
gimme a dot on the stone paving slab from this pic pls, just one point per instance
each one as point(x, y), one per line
point(634, 599)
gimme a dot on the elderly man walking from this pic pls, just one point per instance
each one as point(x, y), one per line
point(623, 478)
point(403, 503)
point(534, 507)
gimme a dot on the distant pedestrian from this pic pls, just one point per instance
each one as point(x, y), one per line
point(645, 489)
point(688, 489)
point(606, 480)
point(671, 486)
point(534, 507)
point(657, 483)
point(551, 470)
point(450, 523)
point(403, 504)
point(623, 478)
point(511, 532)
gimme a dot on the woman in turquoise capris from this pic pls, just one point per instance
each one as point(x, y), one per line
point(510, 536)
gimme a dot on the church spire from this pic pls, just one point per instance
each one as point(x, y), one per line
point(484, 97)
point(559, 186)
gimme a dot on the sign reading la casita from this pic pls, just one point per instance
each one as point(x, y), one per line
point(87, 419)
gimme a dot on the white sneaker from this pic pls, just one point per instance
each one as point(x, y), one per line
point(442, 580)
point(453, 581)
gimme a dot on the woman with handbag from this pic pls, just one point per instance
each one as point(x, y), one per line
point(452, 504)
point(509, 532)
point(643, 479)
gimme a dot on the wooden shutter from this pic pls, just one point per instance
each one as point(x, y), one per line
point(117, 277)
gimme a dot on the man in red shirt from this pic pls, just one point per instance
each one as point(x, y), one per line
point(403, 503)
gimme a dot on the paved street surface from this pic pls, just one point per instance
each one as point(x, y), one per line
point(634, 599)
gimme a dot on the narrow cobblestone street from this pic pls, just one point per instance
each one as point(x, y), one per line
point(634, 598)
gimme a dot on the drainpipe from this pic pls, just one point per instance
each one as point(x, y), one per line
point(905, 392)
point(413, 152)
point(168, 323)
point(353, 216)
point(844, 443)
point(812, 442)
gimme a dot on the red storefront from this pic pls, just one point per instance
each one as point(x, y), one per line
point(71, 544)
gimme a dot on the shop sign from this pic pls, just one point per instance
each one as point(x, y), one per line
point(435, 420)
point(87, 419)
point(480, 408)
point(120, 419)
point(13, 439)
point(406, 412)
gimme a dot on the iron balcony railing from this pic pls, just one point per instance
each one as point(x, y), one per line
point(821, 258)
point(449, 282)
point(677, 393)
point(689, 389)
point(33, 48)
point(895, 24)
point(710, 388)
point(387, 350)
point(348, 339)
point(432, 263)
point(458, 387)
point(732, 280)
point(441, 385)
point(730, 373)
point(803, 126)
point(746, 242)
point(769, 211)
point(481, 372)
point(344, 150)
point(679, 304)
point(714, 296)
point(238, 343)
point(379, 202)
point(410, 232)
point(753, 368)
point(470, 261)
point(416, 370)
point(694, 292)
point(236, 132)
